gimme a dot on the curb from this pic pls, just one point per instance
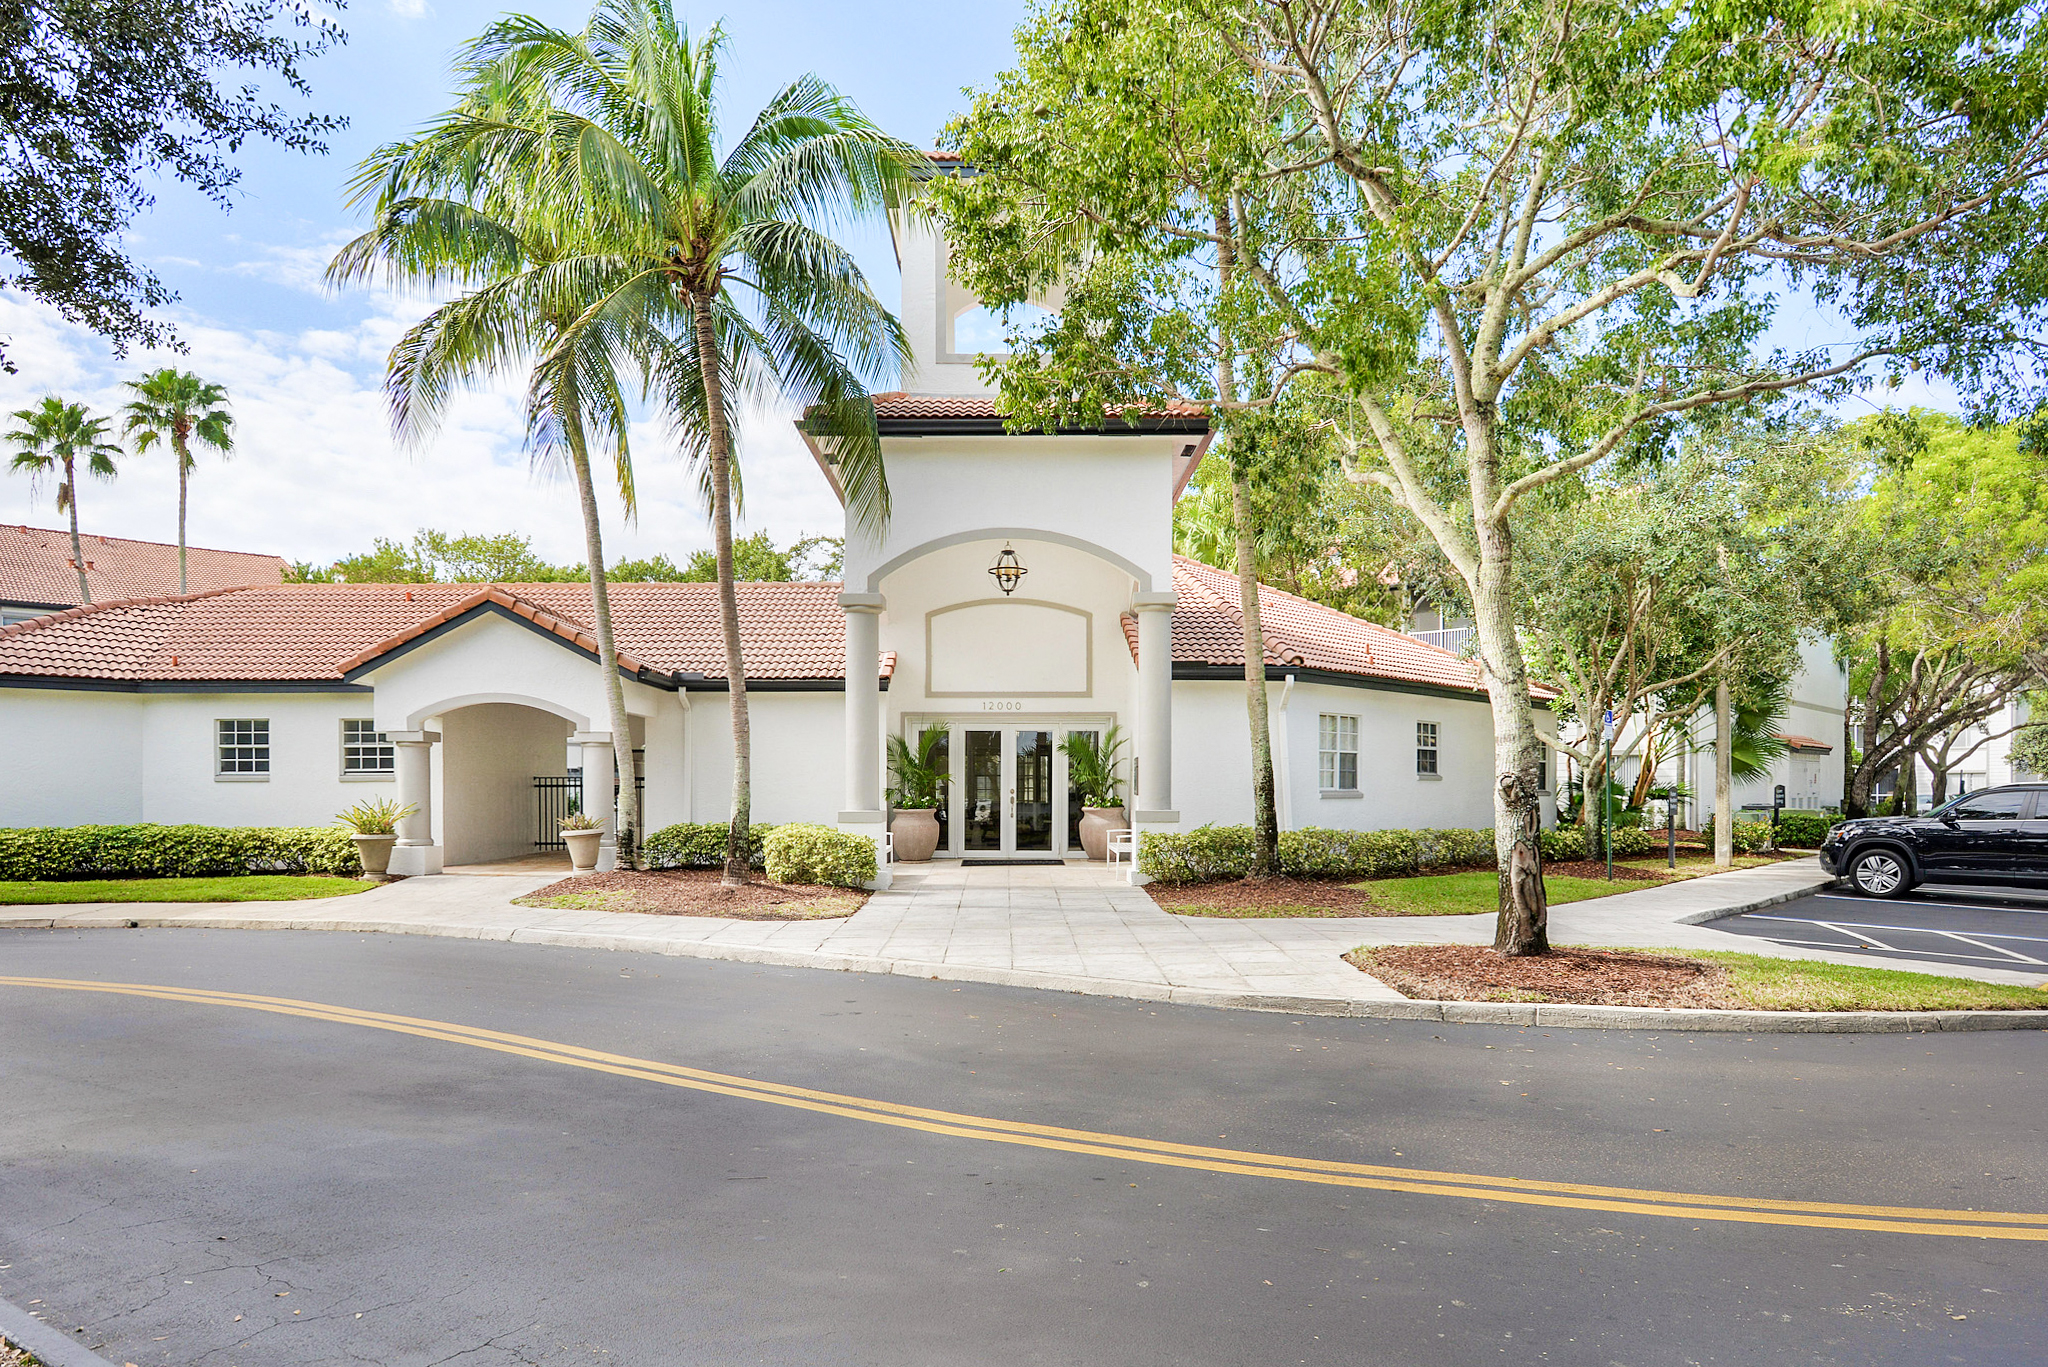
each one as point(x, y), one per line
point(1549, 1015)
point(51, 1346)
point(1701, 918)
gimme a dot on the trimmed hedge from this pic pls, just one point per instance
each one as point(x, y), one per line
point(1562, 844)
point(151, 851)
point(1804, 830)
point(700, 845)
point(804, 853)
point(1750, 837)
point(1208, 853)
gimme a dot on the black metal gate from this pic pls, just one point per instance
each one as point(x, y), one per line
point(553, 799)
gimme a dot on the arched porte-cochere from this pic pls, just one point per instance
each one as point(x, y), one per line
point(491, 756)
point(1009, 793)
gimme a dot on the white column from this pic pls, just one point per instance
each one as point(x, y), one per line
point(415, 854)
point(597, 793)
point(863, 813)
point(1154, 807)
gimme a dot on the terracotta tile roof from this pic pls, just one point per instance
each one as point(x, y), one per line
point(1208, 628)
point(35, 567)
point(316, 632)
point(943, 156)
point(901, 405)
point(1807, 743)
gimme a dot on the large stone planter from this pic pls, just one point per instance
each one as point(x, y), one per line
point(914, 834)
point(1096, 824)
point(375, 852)
point(582, 849)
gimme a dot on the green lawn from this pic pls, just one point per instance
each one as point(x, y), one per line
point(1807, 985)
point(1478, 892)
point(260, 887)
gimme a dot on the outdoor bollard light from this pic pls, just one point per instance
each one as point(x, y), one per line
point(1607, 794)
point(1007, 571)
point(1671, 825)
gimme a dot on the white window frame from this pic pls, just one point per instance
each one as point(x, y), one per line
point(1428, 750)
point(1337, 744)
point(361, 741)
point(255, 740)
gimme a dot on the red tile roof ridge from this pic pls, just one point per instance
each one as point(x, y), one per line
point(1280, 651)
point(101, 537)
point(567, 628)
point(1804, 742)
point(50, 619)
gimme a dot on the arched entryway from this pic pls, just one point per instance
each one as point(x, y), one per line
point(494, 757)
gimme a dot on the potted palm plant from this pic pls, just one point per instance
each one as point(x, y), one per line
point(373, 824)
point(581, 832)
point(917, 780)
point(1091, 772)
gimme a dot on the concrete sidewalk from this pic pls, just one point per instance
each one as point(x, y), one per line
point(1072, 928)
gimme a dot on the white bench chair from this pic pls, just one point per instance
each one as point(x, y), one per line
point(1122, 845)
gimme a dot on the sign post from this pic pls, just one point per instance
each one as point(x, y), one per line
point(1607, 794)
point(1777, 806)
point(1671, 824)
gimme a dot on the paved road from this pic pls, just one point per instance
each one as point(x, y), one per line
point(204, 1180)
point(1980, 927)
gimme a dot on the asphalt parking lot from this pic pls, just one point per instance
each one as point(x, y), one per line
point(1983, 927)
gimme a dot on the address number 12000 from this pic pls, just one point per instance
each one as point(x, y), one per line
point(993, 706)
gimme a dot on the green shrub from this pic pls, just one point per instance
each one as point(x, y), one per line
point(1209, 853)
point(1750, 837)
point(1804, 830)
point(1562, 844)
point(804, 853)
point(151, 851)
point(700, 845)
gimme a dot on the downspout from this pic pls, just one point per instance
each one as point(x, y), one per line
point(1284, 760)
point(689, 761)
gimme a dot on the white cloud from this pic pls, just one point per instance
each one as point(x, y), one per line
point(411, 9)
point(316, 474)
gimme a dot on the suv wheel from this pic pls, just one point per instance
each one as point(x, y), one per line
point(1880, 873)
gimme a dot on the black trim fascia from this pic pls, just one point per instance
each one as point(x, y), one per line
point(653, 677)
point(994, 427)
point(1208, 673)
point(40, 607)
point(181, 685)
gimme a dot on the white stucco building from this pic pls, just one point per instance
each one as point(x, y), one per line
point(277, 704)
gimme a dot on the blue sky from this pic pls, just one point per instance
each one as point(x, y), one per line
point(315, 474)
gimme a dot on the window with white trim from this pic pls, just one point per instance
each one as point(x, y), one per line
point(1425, 747)
point(241, 746)
point(1543, 769)
point(1337, 753)
point(365, 749)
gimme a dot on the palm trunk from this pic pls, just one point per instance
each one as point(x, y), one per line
point(1523, 927)
point(1724, 777)
point(77, 547)
point(1265, 809)
point(738, 866)
point(184, 479)
point(607, 658)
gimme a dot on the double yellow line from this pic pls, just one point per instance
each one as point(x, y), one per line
point(1238, 1162)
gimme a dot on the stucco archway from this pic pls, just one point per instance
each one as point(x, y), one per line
point(939, 543)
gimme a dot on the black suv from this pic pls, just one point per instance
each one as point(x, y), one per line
point(1997, 836)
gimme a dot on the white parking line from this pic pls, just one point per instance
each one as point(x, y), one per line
point(1874, 941)
point(2021, 958)
point(1840, 926)
point(1940, 906)
point(1839, 948)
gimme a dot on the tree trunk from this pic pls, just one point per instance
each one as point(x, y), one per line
point(184, 479)
point(1851, 769)
point(1591, 776)
point(1724, 777)
point(1937, 784)
point(1906, 795)
point(1265, 810)
point(77, 547)
point(738, 866)
point(607, 657)
point(1523, 927)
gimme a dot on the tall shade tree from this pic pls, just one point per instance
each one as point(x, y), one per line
point(1591, 209)
point(178, 407)
point(579, 192)
point(56, 437)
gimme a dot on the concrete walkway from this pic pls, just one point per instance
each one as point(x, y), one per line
point(1071, 928)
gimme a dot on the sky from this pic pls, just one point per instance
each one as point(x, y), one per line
point(315, 474)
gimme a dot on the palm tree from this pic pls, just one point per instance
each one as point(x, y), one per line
point(178, 406)
point(576, 187)
point(54, 437)
point(674, 234)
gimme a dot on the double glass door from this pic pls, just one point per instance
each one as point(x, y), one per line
point(1008, 793)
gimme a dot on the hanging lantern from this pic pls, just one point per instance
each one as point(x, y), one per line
point(1007, 571)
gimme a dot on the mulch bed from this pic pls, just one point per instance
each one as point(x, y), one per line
point(1597, 868)
point(1471, 973)
point(694, 892)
